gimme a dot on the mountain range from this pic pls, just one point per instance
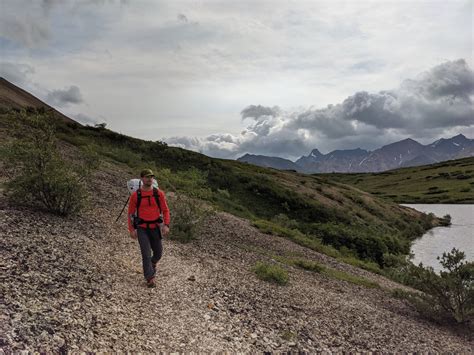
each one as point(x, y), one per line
point(404, 153)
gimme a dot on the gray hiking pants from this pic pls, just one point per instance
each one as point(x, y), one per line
point(150, 240)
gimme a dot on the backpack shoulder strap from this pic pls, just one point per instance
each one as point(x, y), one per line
point(139, 200)
point(157, 197)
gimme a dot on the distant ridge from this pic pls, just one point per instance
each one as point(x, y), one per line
point(270, 162)
point(405, 153)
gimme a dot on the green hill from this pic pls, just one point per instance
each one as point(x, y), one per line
point(450, 181)
point(315, 211)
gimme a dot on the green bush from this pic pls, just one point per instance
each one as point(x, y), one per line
point(121, 154)
point(296, 236)
point(187, 215)
point(446, 220)
point(368, 244)
point(363, 264)
point(283, 220)
point(192, 181)
point(39, 174)
point(225, 193)
point(271, 273)
point(449, 294)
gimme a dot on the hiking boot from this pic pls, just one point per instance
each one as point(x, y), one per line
point(151, 282)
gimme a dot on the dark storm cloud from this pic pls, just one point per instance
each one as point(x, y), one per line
point(380, 110)
point(450, 80)
point(438, 100)
point(257, 111)
point(329, 120)
point(440, 97)
point(61, 98)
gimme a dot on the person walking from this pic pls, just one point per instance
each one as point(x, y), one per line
point(147, 211)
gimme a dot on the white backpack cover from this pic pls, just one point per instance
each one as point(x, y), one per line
point(134, 184)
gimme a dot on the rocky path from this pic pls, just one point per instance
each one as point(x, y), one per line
point(77, 284)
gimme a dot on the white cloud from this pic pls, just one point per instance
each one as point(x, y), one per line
point(440, 99)
point(168, 69)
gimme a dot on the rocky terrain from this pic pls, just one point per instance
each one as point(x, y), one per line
point(76, 284)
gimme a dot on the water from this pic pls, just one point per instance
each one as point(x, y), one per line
point(459, 235)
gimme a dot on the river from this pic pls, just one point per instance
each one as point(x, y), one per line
point(460, 234)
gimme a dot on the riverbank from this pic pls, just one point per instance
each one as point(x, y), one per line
point(460, 234)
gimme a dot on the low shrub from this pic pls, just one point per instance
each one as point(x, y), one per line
point(39, 173)
point(271, 273)
point(187, 216)
point(449, 295)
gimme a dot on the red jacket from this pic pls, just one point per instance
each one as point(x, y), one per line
point(149, 211)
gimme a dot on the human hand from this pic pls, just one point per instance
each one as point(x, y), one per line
point(133, 234)
point(165, 230)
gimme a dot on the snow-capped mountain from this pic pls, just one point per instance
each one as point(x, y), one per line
point(407, 152)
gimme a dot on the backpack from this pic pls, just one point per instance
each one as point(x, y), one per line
point(137, 220)
point(134, 185)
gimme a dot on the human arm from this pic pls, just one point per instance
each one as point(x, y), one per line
point(166, 213)
point(164, 208)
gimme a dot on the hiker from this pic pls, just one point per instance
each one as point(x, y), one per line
point(144, 223)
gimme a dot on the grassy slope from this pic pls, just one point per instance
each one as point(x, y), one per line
point(446, 182)
point(319, 213)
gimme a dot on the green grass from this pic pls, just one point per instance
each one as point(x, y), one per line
point(271, 273)
point(296, 236)
point(357, 280)
point(334, 273)
point(445, 182)
point(309, 265)
point(320, 213)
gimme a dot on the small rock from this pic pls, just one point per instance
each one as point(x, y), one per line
point(192, 278)
point(58, 341)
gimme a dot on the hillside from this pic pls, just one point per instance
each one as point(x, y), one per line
point(268, 162)
point(75, 283)
point(14, 97)
point(447, 182)
point(326, 212)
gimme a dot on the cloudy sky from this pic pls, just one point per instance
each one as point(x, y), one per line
point(265, 77)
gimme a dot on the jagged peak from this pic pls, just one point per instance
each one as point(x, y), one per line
point(315, 153)
point(459, 136)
